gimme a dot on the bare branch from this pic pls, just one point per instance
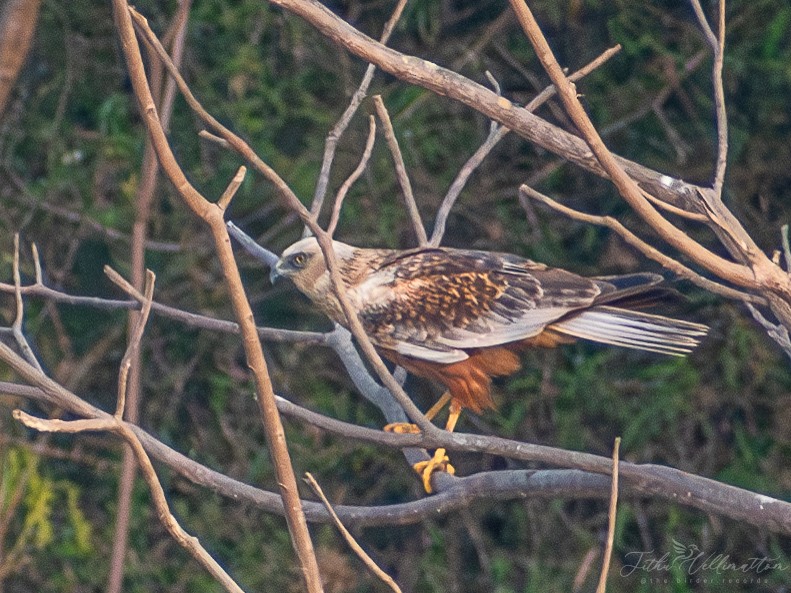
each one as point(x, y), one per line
point(213, 217)
point(644, 248)
point(551, 91)
point(133, 346)
point(341, 195)
point(786, 247)
point(37, 264)
point(674, 209)
point(731, 271)
point(451, 84)
point(233, 187)
point(640, 480)
point(356, 548)
point(189, 319)
point(260, 253)
point(717, 43)
point(340, 127)
point(497, 133)
point(116, 425)
point(19, 318)
point(401, 174)
point(605, 568)
point(64, 426)
point(777, 332)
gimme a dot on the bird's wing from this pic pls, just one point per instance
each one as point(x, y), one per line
point(433, 304)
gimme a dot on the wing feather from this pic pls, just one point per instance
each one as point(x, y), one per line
point(634, 329)
point(433, 304)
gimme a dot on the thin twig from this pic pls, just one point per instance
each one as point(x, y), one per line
point(674, 209)
point(717, 43)
point(605, 567)
point(232, 188)
point(115, 425)
point(777, 332)
point(356, 548)
point(496, 133)
point(135, 337)
point(644, 248)
point(37, 264)
point(187, 318)
point(341, 195)
point(16, 327)
point(401, 173)
point(206, 135)
point(551, 91)
point(262, 254)
point(786, 247)
point(339, 128)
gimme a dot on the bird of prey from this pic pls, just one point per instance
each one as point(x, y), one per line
point(460, 317)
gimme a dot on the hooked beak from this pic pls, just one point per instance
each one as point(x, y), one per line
point(275, 274)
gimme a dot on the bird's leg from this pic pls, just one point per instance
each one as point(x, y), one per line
point(409, 428)
point(440, 461)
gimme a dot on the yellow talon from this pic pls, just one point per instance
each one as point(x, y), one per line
point(426, 469)
point(440, 461)
point(408, 427)
point(402, 428)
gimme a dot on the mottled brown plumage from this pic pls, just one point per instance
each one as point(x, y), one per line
point(460, 317)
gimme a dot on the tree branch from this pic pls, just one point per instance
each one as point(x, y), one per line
point(401, 174)
point(649, 251)
point(637, 480)
point(448, 83)
point(115, 425)
point(340, 127)
point(212, 215)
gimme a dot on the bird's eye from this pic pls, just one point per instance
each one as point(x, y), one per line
point(299, 260)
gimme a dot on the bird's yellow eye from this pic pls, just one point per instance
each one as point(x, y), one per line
point(299, 260)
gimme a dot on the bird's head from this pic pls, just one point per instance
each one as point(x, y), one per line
point(303, 262)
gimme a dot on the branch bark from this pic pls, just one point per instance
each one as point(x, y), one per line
point(213, 216)
point(590, 478)
point(447, 83)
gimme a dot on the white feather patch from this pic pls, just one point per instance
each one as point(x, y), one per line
point(632, 329)
point(530, 324)
point(430, 354)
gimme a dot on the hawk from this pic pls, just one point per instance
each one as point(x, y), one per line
point(460, 317)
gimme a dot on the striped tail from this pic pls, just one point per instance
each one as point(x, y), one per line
point(633, 329)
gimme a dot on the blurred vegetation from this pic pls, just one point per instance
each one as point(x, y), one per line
point(72, 139)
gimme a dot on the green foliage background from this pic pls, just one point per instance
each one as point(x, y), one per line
point(72, 142)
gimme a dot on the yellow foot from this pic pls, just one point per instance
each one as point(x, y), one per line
point(426, 469)
point(402, 428)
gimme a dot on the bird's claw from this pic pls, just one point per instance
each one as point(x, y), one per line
point(402, 428)
point(439, 462)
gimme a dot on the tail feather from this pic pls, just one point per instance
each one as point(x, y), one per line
point(633, 329)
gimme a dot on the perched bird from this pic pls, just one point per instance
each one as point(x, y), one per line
point(460, 317)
